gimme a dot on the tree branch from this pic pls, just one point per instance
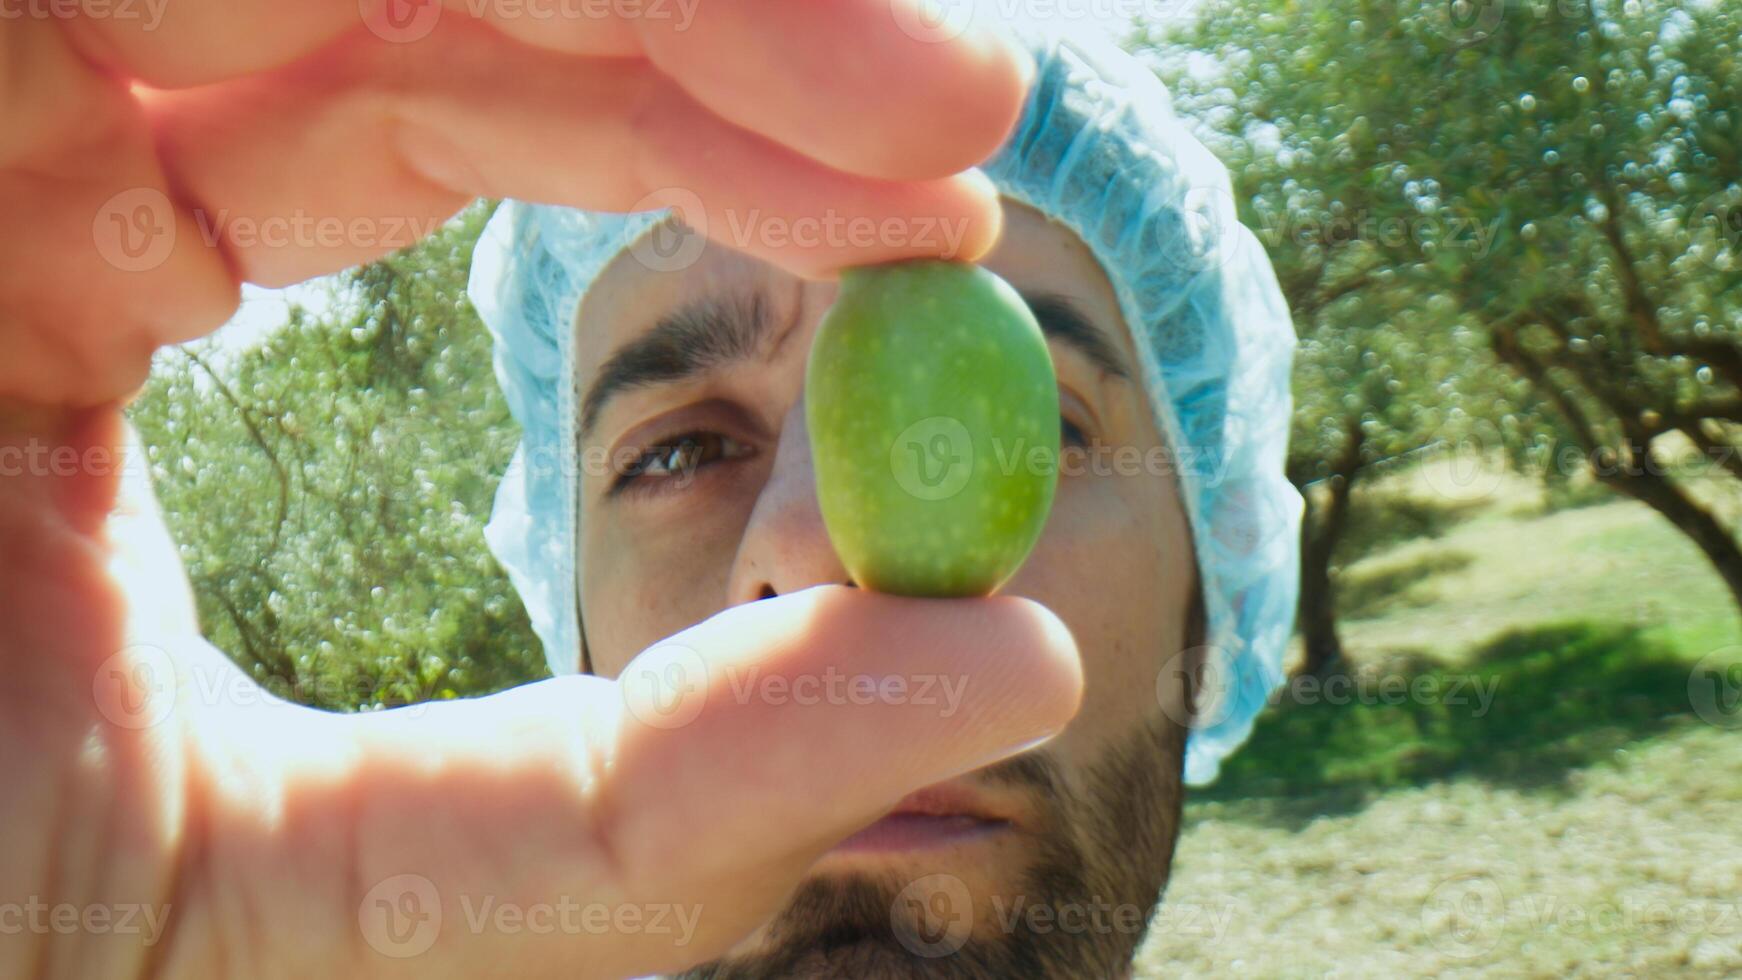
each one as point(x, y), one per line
point(259, 440)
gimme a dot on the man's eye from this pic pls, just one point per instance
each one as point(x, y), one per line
point(679, 457)
point(1071, 434)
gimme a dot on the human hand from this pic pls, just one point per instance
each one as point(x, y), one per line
point(142, 769)
point(234, 834)
point(276, 142)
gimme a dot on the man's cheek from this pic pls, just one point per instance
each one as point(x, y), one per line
point(1103, 566)
point(645, 596)
point(1094, 561)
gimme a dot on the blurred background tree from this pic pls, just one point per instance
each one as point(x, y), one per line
point(329, 488)
point(1515, 227)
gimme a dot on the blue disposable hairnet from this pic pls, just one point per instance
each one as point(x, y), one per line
point(1099, 150)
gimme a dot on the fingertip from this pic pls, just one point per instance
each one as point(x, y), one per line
point(986, 225)
point(1053, 663)
point(970, 52)
point(959, 218)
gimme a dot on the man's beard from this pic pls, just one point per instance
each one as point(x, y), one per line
point(1078, 911)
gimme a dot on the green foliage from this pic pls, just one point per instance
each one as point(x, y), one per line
point(1511, 227)
point(1344, 197)
point(329, 488)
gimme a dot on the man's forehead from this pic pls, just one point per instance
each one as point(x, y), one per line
point(627, 297)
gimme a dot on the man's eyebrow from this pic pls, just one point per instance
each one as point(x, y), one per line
point(1062, 320)
point(684, 343)
point(717, 330)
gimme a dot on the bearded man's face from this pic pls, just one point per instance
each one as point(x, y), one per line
point(1046, 865)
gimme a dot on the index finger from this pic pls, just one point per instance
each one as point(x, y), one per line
point(877, 88)
point(867, 86)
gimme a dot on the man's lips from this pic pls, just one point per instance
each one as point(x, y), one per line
point(939, 816)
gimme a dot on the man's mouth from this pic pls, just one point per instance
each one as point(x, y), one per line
point(941, 816)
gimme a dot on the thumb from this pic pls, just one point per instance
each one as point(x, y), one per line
point(833, 700)
point(707, 779)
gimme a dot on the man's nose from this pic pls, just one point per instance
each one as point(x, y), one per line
point(786, 546)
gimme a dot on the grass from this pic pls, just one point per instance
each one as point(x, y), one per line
point(1628, 866)
point(1375, 591)
point(1615, 563)
point(1524, 708)
point(1579, 822)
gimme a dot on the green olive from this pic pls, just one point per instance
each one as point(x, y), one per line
point(934, 425)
